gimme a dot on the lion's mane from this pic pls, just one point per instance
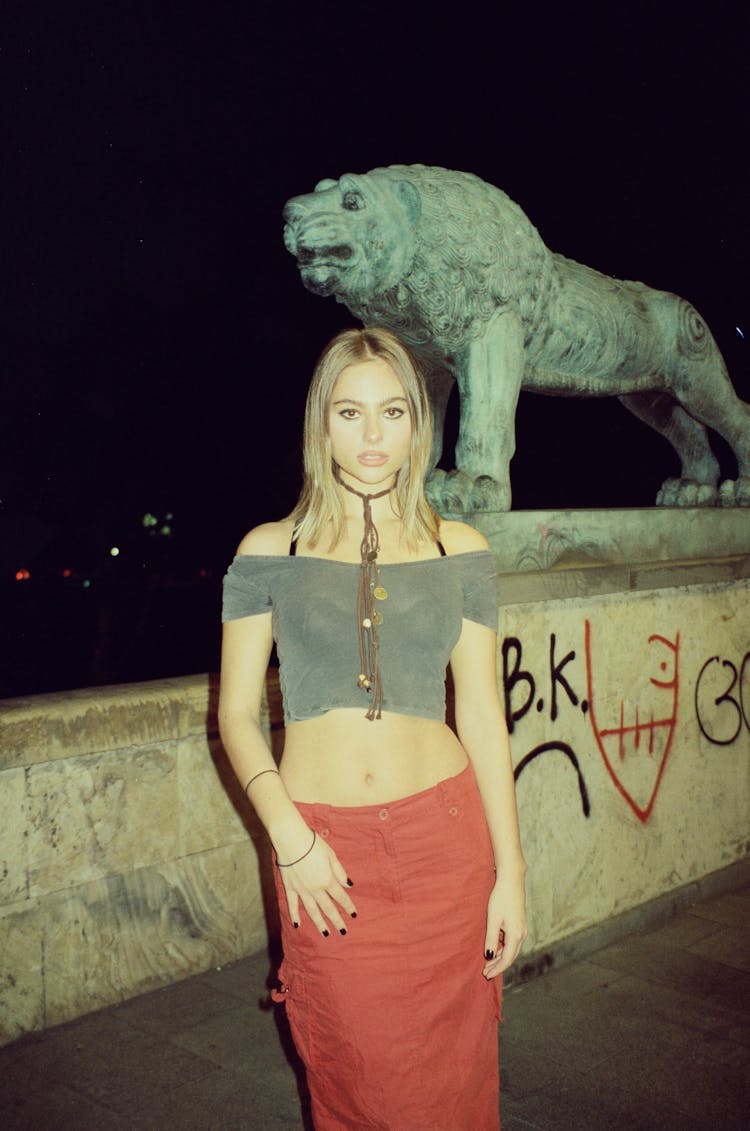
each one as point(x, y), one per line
point(475, 252)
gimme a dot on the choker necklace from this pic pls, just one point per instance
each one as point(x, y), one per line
point(369, 617)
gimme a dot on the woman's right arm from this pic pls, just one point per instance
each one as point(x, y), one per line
point(318, 881)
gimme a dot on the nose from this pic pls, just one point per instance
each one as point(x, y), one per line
point(373, 431)
point(292, 211)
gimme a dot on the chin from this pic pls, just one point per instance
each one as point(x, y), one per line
point(369, 475)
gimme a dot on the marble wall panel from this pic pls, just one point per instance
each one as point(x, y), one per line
point(13, 839)
point(21, 981)
point(99, 815)
point(614, 811)
point(116, 937)
point(213, 808)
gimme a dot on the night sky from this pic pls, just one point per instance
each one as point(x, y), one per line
point(156, 338)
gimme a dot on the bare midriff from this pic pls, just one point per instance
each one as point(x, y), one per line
point(342, 758)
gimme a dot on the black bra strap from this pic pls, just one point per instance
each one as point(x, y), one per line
point(293, 548)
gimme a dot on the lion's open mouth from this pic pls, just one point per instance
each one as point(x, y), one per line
point(336, 253)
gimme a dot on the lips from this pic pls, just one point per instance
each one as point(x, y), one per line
point(372, 459)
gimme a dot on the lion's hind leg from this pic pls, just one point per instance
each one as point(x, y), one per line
point(697, 377)
point(699, 468)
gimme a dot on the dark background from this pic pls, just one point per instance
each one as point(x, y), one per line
point(156, 340)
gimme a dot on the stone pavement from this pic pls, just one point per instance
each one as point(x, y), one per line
point(652, 1032)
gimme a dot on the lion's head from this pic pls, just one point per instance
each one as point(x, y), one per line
point(428, 252)
point(353, 237)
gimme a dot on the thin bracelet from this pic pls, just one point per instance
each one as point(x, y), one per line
point(302, 857)
point(259, 775)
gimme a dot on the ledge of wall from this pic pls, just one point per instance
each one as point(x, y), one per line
point(530, 541)
point(129, 857)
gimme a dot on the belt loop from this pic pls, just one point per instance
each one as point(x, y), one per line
point(445, 793)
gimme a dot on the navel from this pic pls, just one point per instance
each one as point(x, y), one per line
point(369, 779)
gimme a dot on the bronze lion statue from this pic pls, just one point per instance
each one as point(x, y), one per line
point(457, 270)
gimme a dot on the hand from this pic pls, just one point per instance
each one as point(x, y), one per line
point(320, 882)
point(506, 924)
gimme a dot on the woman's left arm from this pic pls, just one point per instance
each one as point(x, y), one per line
point(484, 735)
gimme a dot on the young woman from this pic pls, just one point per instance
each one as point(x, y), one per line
point(399, 868)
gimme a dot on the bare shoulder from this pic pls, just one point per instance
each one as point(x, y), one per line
point(271, 538)
point(460, 538)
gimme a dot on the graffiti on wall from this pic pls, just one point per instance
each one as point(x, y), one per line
point(520, 693)
point(641, 728)
point(632, 730)
point(722, 699)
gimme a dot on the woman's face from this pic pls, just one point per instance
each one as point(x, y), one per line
point(369, 424)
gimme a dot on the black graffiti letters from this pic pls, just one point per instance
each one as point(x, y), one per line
point(511, 644)
point(556, 676)
point(721, 707)
point(519, 683)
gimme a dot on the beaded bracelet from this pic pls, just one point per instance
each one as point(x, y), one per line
point(258, 775)
point(302, 857)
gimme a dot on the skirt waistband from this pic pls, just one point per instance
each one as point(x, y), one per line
point(449, 791)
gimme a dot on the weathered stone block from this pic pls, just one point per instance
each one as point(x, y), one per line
point(127, 934)
point(13, 838)
point(631, 745)
point(102, 814)
point(21, 981)
point(45, 728)
point(213, 808)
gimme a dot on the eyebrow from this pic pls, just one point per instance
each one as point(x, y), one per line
point(361, 404)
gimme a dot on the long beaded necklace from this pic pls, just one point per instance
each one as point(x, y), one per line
point(369, 617)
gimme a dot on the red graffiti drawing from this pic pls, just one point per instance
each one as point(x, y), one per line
point(625, 746)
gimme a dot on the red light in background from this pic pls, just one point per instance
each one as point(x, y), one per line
point(67, 573)
point(23, 575)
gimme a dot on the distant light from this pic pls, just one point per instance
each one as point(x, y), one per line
point(67, 573)
point(204, 573)
point(87, 584)
point(149, 520)
point(23, 575)
point(740, 332)
point(115, 551)
point(166, 530)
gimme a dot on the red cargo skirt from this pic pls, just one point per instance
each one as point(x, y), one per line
point(395, 1024)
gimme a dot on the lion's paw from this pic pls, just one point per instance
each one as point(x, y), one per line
point(456, 493)
point(735, 492)
point(686, 493)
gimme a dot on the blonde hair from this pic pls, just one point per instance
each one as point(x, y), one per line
point(320, 501)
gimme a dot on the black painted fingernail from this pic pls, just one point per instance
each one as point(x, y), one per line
point(349, 883)
point(325, 934)
point(295, 925)
point(488, 954)
point(354, 915)
point(342, 930)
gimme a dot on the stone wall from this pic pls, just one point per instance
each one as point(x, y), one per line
point(129, 858)
point(128, 855)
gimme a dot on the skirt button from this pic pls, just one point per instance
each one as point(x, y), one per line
point(383, 814)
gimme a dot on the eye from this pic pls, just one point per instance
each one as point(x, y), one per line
point(349, 413)
point(352, 201)
point(393, 413)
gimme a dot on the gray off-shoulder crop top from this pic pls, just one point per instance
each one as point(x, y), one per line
point(313, 602)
